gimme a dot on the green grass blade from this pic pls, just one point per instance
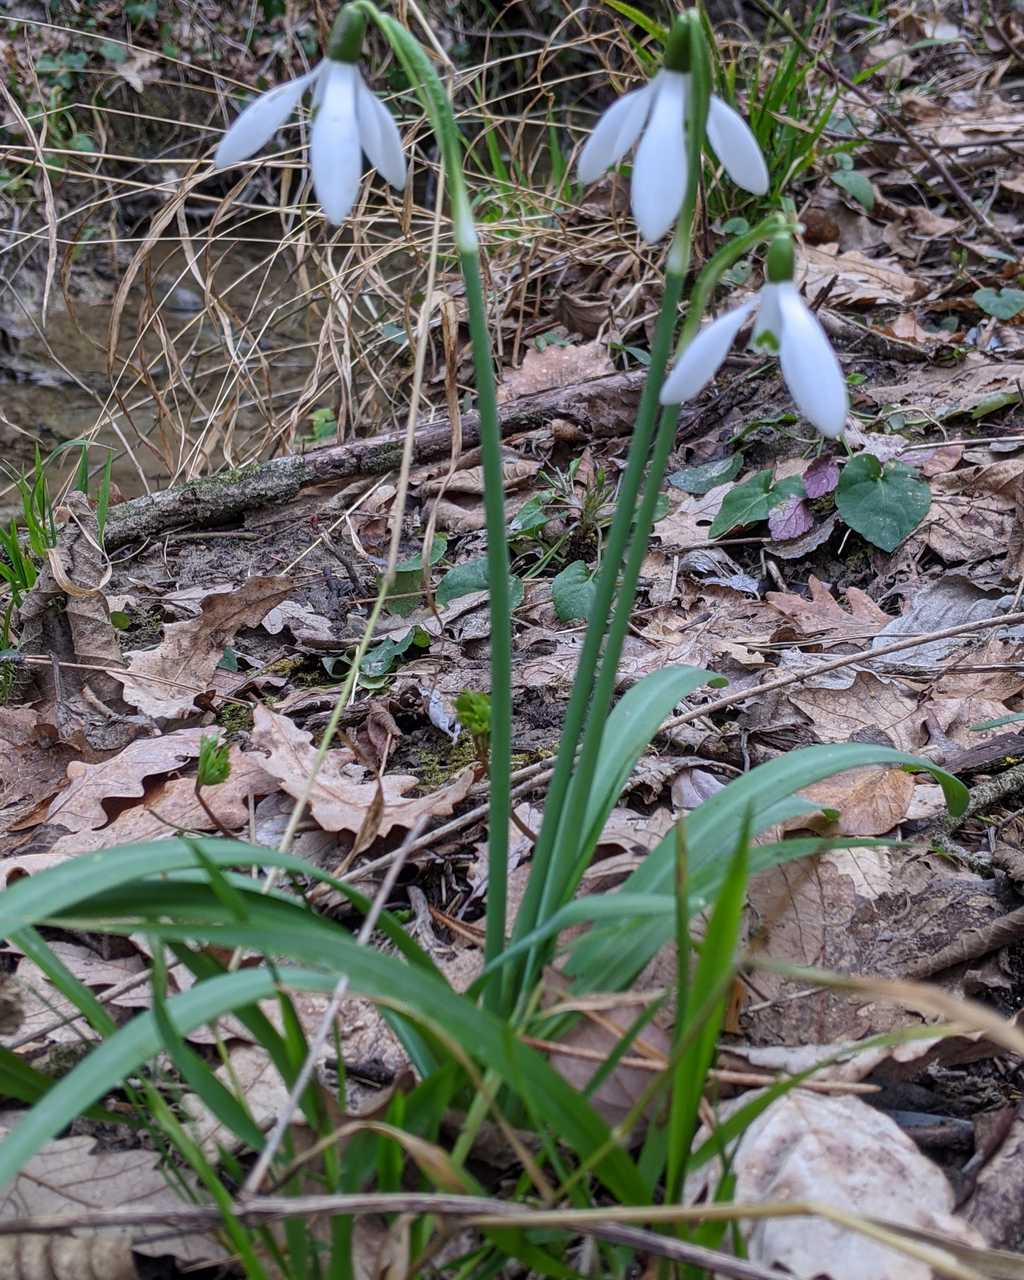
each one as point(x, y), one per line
point(219, 1101)
point(716, 964)
point(609, 958)
point(380, 977)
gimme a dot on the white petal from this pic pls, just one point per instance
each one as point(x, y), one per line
point(735, 145)
point(809, 365)
point(335, 156)
point(379, 136)
point(261, 120)
point(703, 357)
point(659, 174)
point(614, 133)
point(767, 335)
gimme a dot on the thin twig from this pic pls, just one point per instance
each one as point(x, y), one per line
point(274, 1139)
point(834, 664)
point(611, 1222)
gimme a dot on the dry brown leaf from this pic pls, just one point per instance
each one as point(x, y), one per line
point(170, 805)
point(870, 802)
point(515, 473)
point(587, 1046)
point(72, 1175)
point(864, 709)
point(16, 867)
point(190, 651)
point(300, 620)
point(556, 366)
point(933, 394)
point(937, 122)
point(856, 1063)
point(67, 1257)
point(340, 800)
point(908, 328)
point(841, 1152)
point(689, 517)
point(66, 617)
point(40, 767)
point(43, 1003)
point(822, 614)
point(860, 280)
point(868, 911)
point(79, 807)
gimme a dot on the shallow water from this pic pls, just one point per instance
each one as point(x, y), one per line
point(185, 393)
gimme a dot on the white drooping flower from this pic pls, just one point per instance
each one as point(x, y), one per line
point(348, 120)
point(658, 113)
point(785, 325)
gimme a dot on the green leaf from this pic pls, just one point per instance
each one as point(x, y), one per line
point(703, 1011)
point(1004, 304)
point(640, 18)
point(220, 1101)
point(406, 592)
point(857, 185)
point(573, 592)
point(750, 502)
point(415, 562)
point(394, 984)
point(382, 657)
point(471, 576)
point(701, 479)
point(608, 958)
point(532, 515)
point(994, 402)
point(997, 723)
point(82, 142)
point(634, 721)
point(883, 504)
point(115, 53)
point(474, 712)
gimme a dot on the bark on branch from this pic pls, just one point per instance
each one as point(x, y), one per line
point(601, 407)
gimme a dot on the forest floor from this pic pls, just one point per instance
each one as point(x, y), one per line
point(250, 377)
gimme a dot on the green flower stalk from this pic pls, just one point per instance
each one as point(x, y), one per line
point(556, 862)
point(424, 78)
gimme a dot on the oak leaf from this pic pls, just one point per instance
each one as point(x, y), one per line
point(822, 614)
point(340, 800)
point(164, 681)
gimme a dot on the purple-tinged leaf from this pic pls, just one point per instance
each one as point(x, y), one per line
point(790, 519)
point(821, 477)
point(798, 547)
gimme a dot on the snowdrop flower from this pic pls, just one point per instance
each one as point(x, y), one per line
point(657, 115)
point(786, 326)
point(348, 120)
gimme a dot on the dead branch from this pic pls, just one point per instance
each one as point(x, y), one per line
point(601, 407)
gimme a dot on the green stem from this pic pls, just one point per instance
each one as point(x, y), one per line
point(501, 621)
point(422, 76)
point(604, 592)
point(604, 686)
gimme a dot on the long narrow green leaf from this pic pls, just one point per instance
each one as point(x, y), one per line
point(54, 890)
point(381, 977)
point(641, 19)
point(635, 719)
point(717, 958)
point(608, 958)
point(660, 907)
point(220, 1101)
point(64, 980)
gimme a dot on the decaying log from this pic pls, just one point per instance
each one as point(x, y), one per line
point(601, 407)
